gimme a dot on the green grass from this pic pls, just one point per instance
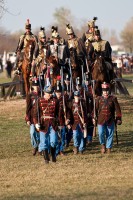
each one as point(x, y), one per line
point(4, 78)
point(89, 176)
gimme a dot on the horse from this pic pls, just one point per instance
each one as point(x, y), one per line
point(53, 70)
point(76, 65)
point(26, 63)
point(99, 73)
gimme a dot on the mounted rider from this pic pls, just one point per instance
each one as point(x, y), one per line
point(88, 36)
point(22, 44)
point(59, 51)
point(40, 51)
point(103, 48)
point(76, 44)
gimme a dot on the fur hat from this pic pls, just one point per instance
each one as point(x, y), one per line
point(27, 24)
point(41, 33)
point(91, 23)
point(69, 29)
point(54, 30)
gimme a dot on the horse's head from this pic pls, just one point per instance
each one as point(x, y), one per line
point(73, 58)
point(30, 45)
point(99, 64)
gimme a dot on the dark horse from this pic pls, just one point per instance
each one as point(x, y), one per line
point(76, 65)
point(99, 73)
point(26, 63)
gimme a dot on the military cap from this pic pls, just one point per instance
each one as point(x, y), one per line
point(27, 24)
point(77, 93)
point(105, 86)
point(69, 29)
point(48, 89)
point(41, 33)
point(91, 23)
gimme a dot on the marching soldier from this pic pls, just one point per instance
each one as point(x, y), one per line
point(76, 44)
point(45, 119)
point(63, 115)
point(79, 122)
point(31, 99)
point(88, 96)
point(106, 108)
point(22, 44)
point(40, 52)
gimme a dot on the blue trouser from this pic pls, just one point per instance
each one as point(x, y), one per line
point(34, 135)
point(90, 133)
point(78, 138)
point(107, 130)
point(48, 139)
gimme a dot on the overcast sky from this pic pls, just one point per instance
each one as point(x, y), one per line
point(112, 14)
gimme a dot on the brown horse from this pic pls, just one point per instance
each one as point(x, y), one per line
point(99, 73)
point(53, 70)
point(26, 63)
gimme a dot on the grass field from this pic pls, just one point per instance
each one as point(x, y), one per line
point(90, 176)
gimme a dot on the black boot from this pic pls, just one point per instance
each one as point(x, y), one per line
point(53, 149)
point(46, 156)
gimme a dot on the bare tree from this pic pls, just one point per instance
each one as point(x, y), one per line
point(127, 36)
point(2, 8)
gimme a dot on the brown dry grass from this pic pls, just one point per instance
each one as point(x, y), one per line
point(88, 176)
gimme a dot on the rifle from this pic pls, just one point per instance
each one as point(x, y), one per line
point(69, 62)
point(88, 70)
point(94, 103)
point(83, 120)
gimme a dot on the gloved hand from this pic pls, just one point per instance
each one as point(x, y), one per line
point(37, 126)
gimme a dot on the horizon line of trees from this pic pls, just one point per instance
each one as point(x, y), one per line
point(62, 16)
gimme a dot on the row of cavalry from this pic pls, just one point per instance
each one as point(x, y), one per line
point(97, 70)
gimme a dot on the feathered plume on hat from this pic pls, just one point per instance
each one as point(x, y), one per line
point(54, 28)
point(27, 24)
point(41, 33)
point(69, 29)
point(92, 23)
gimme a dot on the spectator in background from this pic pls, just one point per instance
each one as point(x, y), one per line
point(1, 65)
point(9, 68)
point(118, 61)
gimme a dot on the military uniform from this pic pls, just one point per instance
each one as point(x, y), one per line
point(46, 113)
point(76, 44)
point(79, 117)
point(31, 99)
point(40, 52)
point(107, 107)
point(22, 44)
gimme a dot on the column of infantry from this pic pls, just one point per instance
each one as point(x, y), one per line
point(62, 107)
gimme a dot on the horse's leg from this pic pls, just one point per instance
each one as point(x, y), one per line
point(26, 81)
